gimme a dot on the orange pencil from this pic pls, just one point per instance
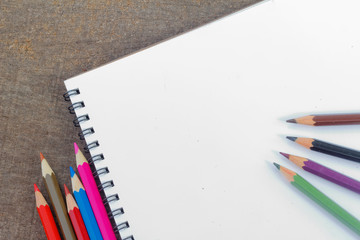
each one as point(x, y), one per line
point(75, 216)
point(46, 216)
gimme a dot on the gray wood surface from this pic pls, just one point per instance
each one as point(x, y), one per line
point(42, 43)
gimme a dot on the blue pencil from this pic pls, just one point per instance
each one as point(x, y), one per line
point(84, 206)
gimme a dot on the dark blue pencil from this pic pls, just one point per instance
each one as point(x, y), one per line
point(85, 208)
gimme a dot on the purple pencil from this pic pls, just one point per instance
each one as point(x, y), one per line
point(324, 172)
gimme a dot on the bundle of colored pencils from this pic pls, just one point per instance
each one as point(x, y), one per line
point(82, 218)
point(322, 171)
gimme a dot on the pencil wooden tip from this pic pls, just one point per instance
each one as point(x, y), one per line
point(67, 192)
point(291, 120)
point(291, 138)
point(72, 172)
point(76, 148)
point(41, 157)
point(80, 158)
point(39, 198)
point(36, 188)
point(285, 155)
point(276, 165)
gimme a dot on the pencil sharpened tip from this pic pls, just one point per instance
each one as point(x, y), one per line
point(291, 138)
point(276, 165)
point(76, 148)
point(291, 120)
point(66, 190)
point(285, 155)
point(72, 172)
point(36, 188)
point(41, 157)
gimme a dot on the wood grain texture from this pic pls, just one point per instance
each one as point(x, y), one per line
point(42, 43)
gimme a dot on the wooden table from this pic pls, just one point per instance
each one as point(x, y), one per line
point(42, 43)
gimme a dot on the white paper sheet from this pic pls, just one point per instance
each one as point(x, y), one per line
point(189, 128)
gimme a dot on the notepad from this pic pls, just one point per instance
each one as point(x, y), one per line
point(189, 128)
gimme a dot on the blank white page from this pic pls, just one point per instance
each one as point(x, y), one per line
point(190, 127)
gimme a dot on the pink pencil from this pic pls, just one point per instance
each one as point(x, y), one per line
point(94, 195)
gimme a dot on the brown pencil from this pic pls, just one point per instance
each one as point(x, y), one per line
point(327, 119)
point(57, 200)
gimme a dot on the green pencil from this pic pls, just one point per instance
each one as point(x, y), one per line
point(320, 198)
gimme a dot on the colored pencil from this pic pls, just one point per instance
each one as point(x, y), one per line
point(324, 201)
point(75, 216)
point(92, 191)
point(327, 148)
point(84, 206)
point(57, 200)
point(46, 216)
point(324, 172)
point(327, 119)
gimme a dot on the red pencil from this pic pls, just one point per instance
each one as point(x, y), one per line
point(75, 216)
point(46, 216)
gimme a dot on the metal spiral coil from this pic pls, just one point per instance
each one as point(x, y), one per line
point(98, 157)
point(116, 212)
point(85, 132)
point(95, 158)
point(101, 171)
point(91, 146)
point(70, 93)
point(129, 238)
point(74, 106)
point(80, 119)
point(111, 198)
point(122, 226)
point(106, 184)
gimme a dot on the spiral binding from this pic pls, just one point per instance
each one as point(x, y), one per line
point(99, 157)
point(70, 93)
point(116, 212)
point(85, 132)
point(80, 119)
point(101, 171)
point(107, 184)
point(96, 158)
point(111, 198)
point(122, 226)
point(74, 106)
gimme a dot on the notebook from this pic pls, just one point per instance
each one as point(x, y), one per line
point(189, 128)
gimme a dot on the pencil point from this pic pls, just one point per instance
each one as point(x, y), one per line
point(79, 156)
point(41, 156)
point(291, 138)
point(66, 190)
point(276, 165)
point(291, 120)
point(76, 148)
point(36, 188)
point(285, 155)
point(72, 172)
